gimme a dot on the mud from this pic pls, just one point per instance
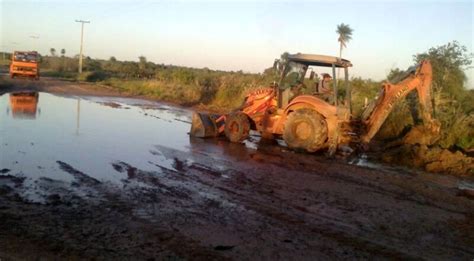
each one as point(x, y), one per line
point(96, 181)
point(431, 159)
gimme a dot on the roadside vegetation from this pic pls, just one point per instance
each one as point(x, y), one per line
point(222, 90)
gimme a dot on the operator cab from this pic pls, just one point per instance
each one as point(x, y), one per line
point(295, 69)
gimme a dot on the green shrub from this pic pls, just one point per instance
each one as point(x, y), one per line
point(57, 74)
point(95, 76)
point(457, 127)
point(362, 90)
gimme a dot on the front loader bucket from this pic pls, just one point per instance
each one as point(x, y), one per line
point(206, 125)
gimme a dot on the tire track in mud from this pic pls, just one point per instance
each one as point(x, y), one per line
point(91, 232)
point(394, 185)
point(370, 179)
point(337, 231)
point(91, 229)
point(78, 175)
point(245, 198)
point(392, 248)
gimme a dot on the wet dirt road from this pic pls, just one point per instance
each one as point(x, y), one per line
point(104, 177)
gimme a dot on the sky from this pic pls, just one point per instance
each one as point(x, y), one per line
point(239, 35)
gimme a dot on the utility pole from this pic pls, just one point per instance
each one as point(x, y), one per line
point(35, 37)
point(82, 37)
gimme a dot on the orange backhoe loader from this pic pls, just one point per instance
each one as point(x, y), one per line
point(320, 121)
point(24, 64)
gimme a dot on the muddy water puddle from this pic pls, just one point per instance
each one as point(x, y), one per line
point(44, 137)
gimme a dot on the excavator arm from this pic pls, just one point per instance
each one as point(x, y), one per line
point(418, 78)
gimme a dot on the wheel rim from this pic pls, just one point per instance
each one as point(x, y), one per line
point(234, 127)
point(302, 130)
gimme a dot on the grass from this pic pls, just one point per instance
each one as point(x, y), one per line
point(223, 93)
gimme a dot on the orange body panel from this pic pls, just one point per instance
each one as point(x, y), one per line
point(262, 109)
point(24, 68)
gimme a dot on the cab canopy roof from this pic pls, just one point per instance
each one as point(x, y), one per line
point(319, 60)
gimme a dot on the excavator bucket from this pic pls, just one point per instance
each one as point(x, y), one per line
point(206, 125)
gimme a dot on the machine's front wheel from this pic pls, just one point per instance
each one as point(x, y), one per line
point(305, 129)
point(237, 127)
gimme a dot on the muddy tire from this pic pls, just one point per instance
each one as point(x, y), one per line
point(237, 127)
point(305, 129)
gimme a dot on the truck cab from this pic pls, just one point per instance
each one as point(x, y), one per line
point(24, 64)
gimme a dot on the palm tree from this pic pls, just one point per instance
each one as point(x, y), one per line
point(345, 35)
point(63, 57)
point(52, 51)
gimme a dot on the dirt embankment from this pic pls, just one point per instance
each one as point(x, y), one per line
point(56, 86)
point(431, 159)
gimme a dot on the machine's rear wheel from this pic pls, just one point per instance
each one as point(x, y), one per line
point(305, 129)
point(237, 127)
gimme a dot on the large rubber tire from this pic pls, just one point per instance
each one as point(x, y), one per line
point(237, 127)
point(305, 129)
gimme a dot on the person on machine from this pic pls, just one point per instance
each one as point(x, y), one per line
point(324, 86)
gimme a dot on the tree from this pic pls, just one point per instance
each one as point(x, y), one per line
point(449, 62)
point(280, 64)
point(112, 59)
point(63, 52)
point(345, 35)
point(92, 65)
point(52, 51)
point(142, 65)
point(142, 61)
point(395, 75)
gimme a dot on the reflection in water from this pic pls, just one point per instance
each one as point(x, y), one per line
point(222, 148)
point(35, 149)
point(23, 105)
point(78, 116)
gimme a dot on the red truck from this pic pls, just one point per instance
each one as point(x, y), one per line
point(24, 64)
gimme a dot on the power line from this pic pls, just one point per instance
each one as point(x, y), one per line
point(82, 37)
